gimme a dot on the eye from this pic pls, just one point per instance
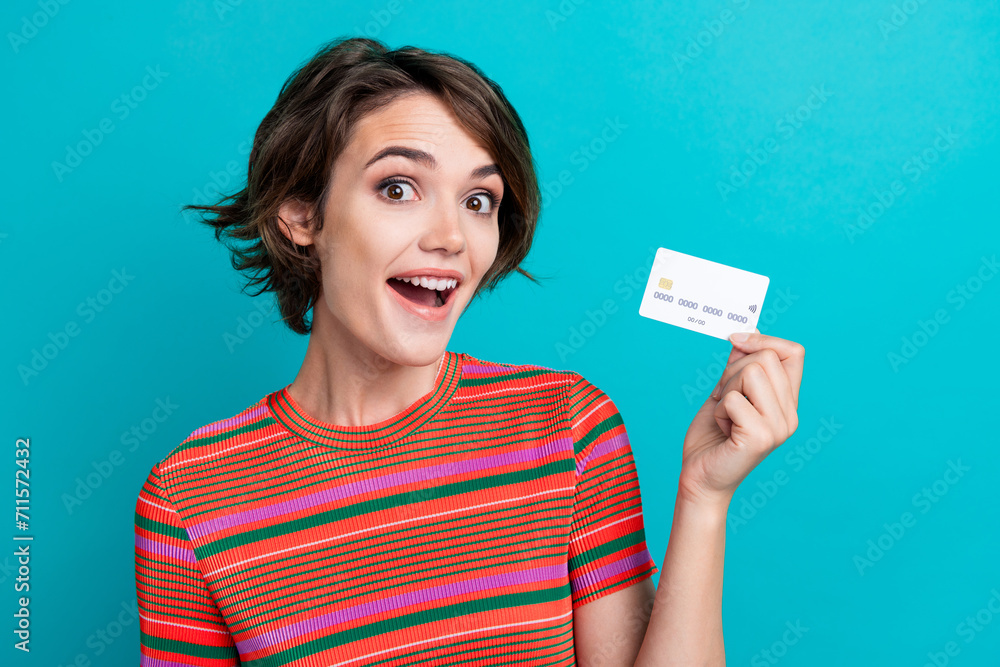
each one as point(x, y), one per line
point(396, 189)
point(480, 200)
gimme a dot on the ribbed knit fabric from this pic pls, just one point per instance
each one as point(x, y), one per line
point(463, 530)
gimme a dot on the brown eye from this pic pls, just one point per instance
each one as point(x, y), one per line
point(395, 191)
point(478, 201)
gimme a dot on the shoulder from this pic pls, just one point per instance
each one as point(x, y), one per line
point(577, 391)
point(203, 442)
point(476, 371)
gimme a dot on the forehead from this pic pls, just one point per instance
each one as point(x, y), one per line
point(419, 119)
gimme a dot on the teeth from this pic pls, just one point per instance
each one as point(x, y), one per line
point(430, 282)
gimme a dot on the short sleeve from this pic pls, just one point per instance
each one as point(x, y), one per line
point(607, 548)
point(179, 622)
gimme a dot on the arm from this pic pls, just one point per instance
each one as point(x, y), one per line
point(637, 625)
point(685, 626)
point(179, 622)
point(750, 413)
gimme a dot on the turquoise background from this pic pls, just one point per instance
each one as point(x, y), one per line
point(696, 89)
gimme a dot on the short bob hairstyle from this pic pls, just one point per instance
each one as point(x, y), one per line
point(311, 123)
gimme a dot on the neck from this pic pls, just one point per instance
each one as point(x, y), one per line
point(343, 382)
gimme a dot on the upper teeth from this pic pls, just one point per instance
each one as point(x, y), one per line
point(431, 282)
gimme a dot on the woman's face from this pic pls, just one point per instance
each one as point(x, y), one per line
point(410, 196)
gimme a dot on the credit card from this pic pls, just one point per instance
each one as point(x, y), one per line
point(702, 295)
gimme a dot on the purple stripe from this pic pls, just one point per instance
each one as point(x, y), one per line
point(146, 661)
point(407, 599)
point(475, 369)
point(328, 495)
point(602, 448)
point(601, 574)
point(171, 550)
point(232, 422)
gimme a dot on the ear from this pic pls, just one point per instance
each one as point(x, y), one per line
point(294, 220)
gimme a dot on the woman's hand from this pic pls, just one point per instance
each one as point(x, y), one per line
point(750, 413)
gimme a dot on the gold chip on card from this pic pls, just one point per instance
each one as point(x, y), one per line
point(666, 283)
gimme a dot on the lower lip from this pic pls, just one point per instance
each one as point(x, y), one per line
point(423, 312)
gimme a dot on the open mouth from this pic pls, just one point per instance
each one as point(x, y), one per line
point(435, 295)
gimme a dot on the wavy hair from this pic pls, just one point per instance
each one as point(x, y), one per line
point(310, 124)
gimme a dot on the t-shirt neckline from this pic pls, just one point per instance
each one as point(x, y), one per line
point(287, 412)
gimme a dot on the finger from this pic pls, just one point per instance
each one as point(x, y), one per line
point(748, 430)
point(791, 354)
point(753, 382)
point(767, 358)
point(736, 353)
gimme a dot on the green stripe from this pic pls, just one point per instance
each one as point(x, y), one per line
point(322, 553)
point(473, 381)
point(419, 652)
point(188, 648)
point(383, 503)
point(600, 551)
point(225, 434)
point(419, 618)
point(164, 529)
point(351, 470)
point(599, 429)
point(535, 555)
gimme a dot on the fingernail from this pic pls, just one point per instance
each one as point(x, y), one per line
point(739, 337)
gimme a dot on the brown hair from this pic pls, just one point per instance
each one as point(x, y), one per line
point(308, 127)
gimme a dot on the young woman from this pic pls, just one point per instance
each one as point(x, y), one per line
point(399, 503)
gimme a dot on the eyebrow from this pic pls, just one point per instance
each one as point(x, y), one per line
point(426, 159)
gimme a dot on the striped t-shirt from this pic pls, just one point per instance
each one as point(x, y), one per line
point(463, 530)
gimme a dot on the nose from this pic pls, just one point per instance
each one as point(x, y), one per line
point(444, 231)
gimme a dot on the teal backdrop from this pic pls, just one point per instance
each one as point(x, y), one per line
point(846, 150)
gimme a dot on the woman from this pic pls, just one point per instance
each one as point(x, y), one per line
point(399, 503)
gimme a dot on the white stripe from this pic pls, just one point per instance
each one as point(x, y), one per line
point(165, 509)
point(223, 451)
point(386, 525)
point(456, 634)
point(181, 625)
point(584, 418)
point(498, 391)
point(578, 537)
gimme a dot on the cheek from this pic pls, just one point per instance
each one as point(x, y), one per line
point(487, 248)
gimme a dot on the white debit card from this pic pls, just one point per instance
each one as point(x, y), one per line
point(702, 295)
